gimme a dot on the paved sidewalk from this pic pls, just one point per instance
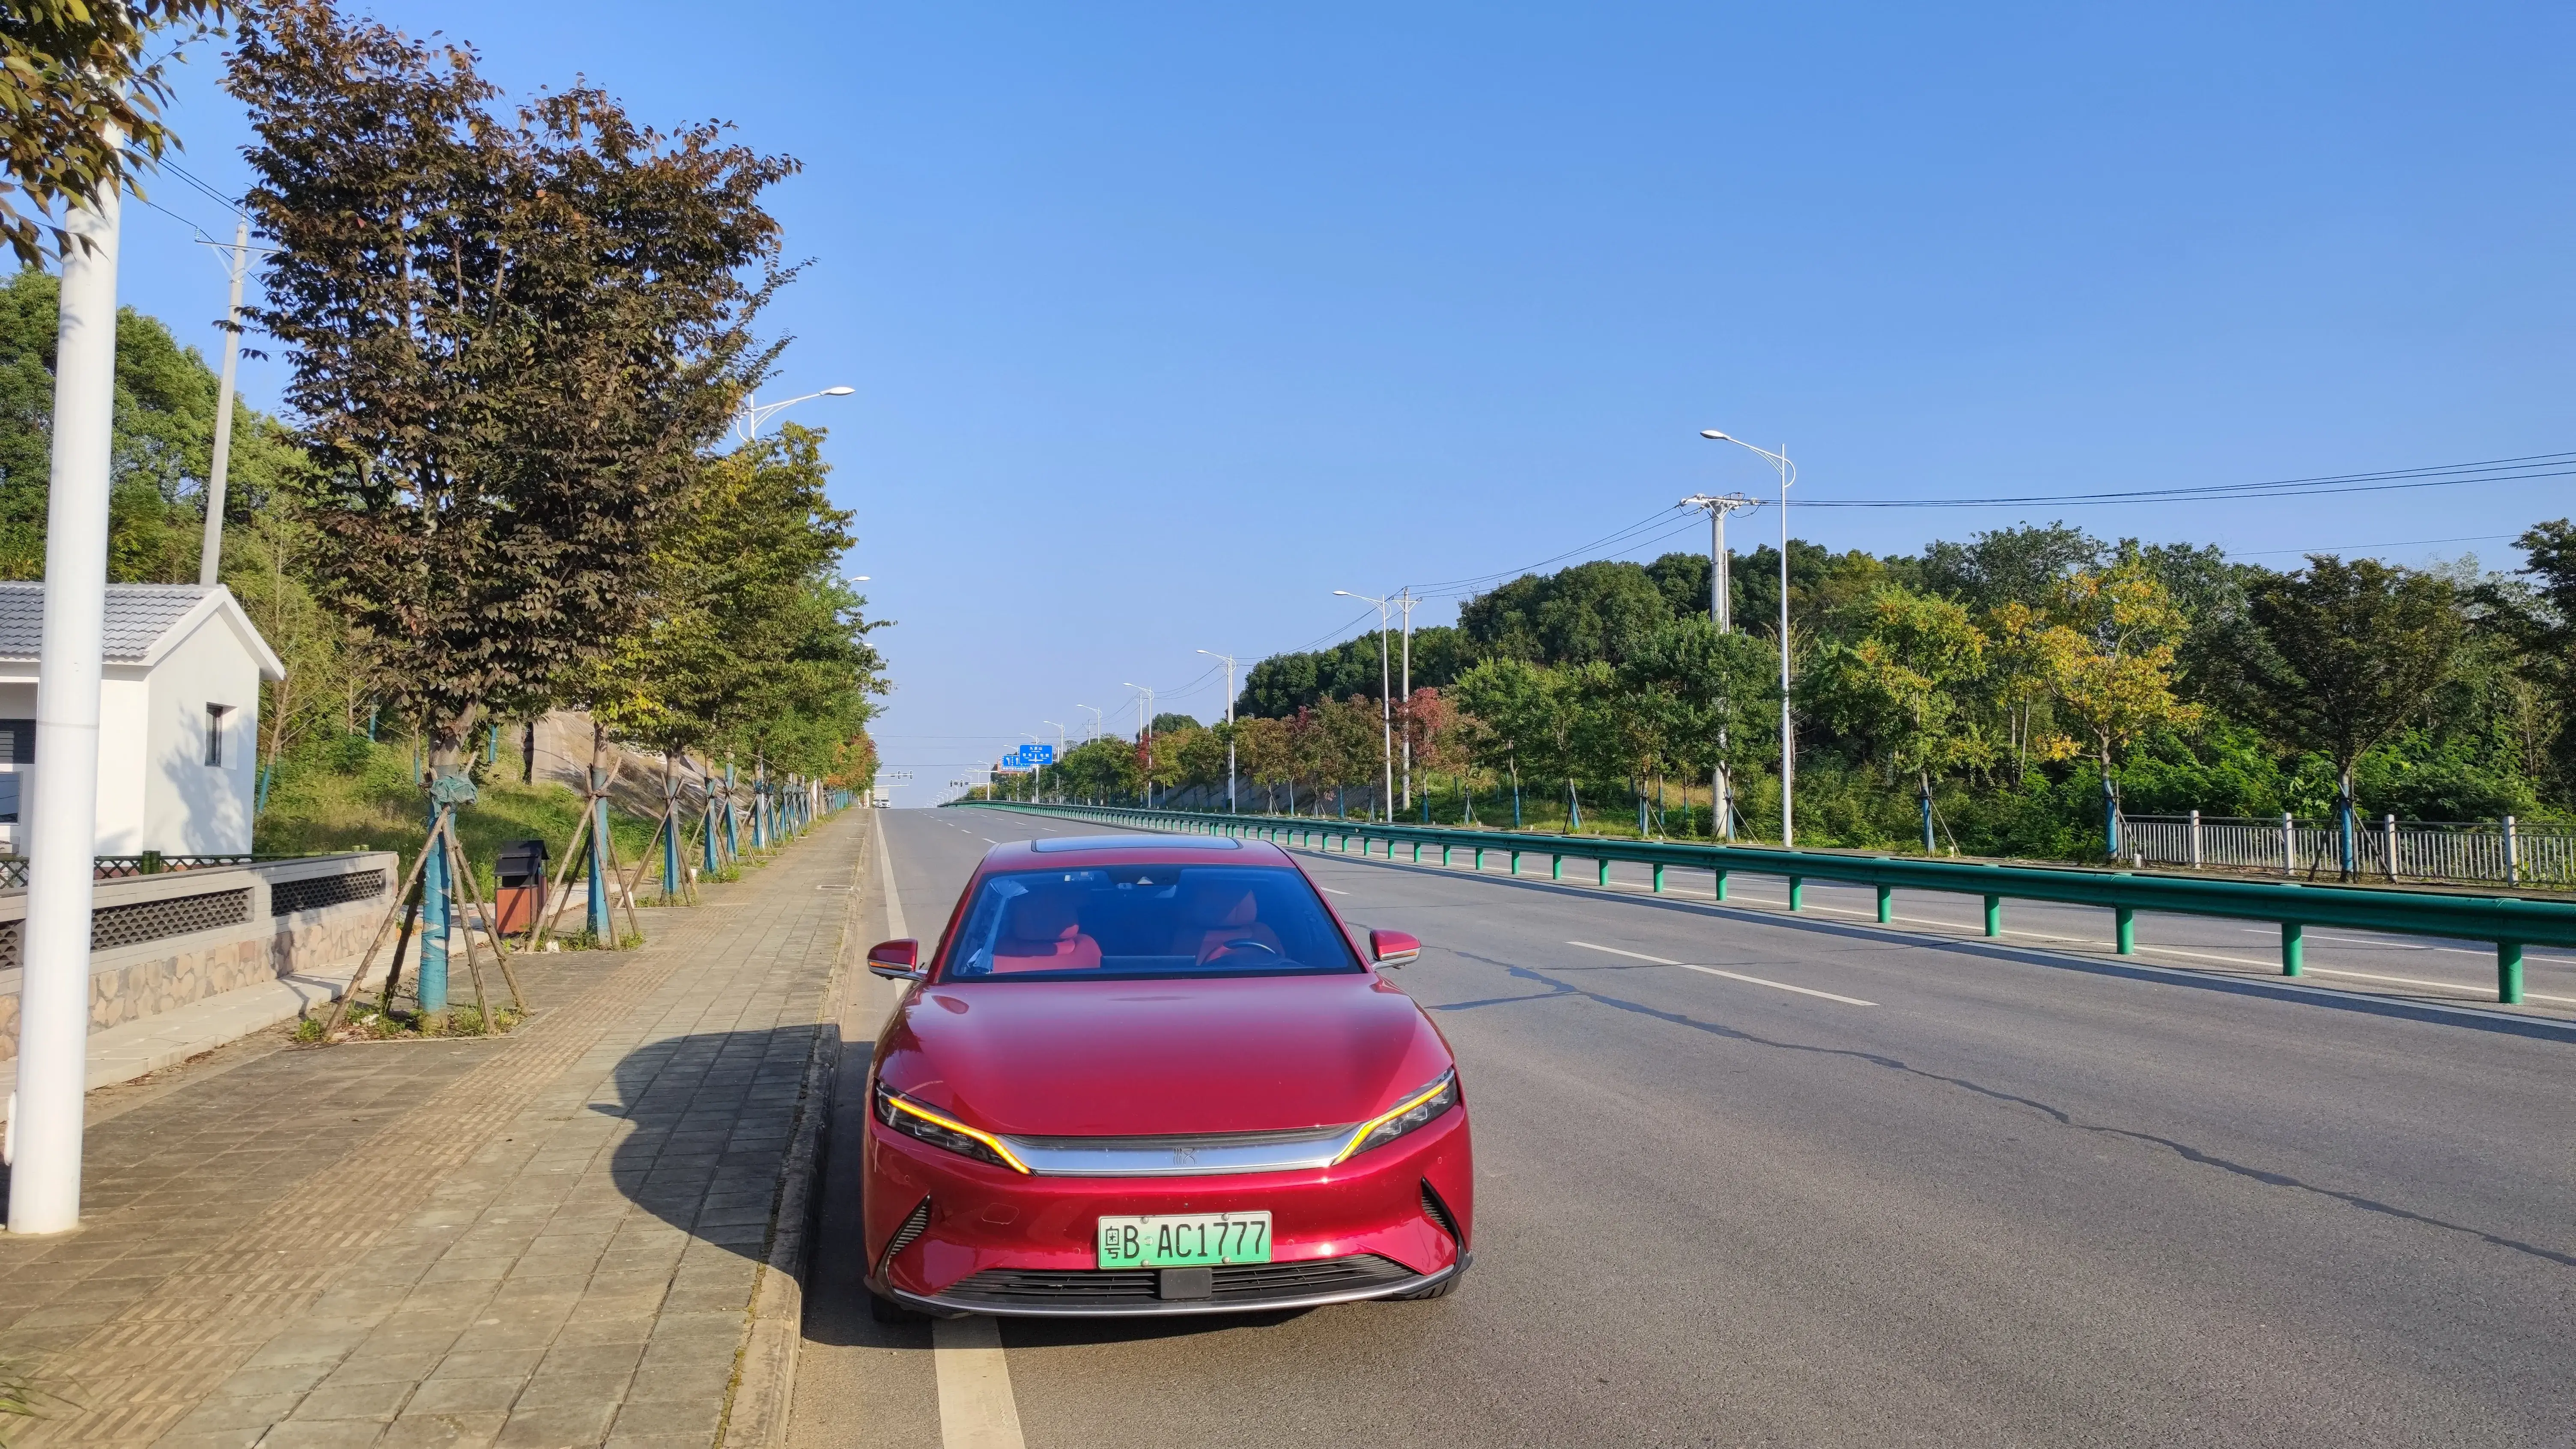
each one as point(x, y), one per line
point(550, 1239)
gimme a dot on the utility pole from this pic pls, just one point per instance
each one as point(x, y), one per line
point(1407, 601)
point(62, 839)
point(210, 557)
point(1229, 725)
point(1788, 472)
point(1721, 610)
point(1385, 706)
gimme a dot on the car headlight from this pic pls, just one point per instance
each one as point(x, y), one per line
point(902, 1114)
point(1414, 1112)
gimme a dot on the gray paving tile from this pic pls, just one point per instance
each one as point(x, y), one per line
point(255, 1412)
point(453, 1396)
point(552, 1390)
point(557, 1428)
point(322, 1434)
point(442, 1431)
point(353, 1401)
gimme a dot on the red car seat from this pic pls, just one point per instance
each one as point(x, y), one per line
point(1221, 915)
point(1043, 932)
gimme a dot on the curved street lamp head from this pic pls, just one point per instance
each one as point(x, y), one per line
point(1714, 433)
point(836, 392)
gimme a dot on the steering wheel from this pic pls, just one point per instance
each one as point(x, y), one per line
point(1243, 943)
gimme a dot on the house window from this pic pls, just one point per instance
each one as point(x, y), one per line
point(215, 732)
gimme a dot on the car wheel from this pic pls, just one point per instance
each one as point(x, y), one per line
point(886, 1310)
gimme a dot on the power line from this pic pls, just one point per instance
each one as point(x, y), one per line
point(2358, 547)
point(2528, 467)
point(190, 177)
point(1650, 521)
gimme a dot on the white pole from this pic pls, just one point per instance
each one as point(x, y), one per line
point(210, 558)
point(1788, 727)
point(1720, 799)
point(1409, 602)
point(1386, 713)
point(53, 995)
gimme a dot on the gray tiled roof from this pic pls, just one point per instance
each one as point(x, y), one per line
point(137, 616)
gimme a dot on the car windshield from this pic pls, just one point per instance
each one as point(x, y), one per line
point(1135, 921)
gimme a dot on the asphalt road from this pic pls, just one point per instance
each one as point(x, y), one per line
point(1944, 1192)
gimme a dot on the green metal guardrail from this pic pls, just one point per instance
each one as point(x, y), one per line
point(2510, 923)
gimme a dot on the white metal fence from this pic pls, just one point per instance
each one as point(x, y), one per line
point(2508, 853)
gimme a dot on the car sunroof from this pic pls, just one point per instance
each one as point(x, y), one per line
point(1135, 842)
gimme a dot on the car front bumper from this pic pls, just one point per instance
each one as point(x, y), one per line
point(949, 1235)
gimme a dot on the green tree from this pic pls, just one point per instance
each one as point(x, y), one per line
point(754, 645)
point(1904, 683)
point(2349, 652)
point(1510, 706)
point(2109, 657)
point(1716, 695)
point(72, 74)
point(159, 453)
point(2025, 563)
point(2538, 618)
point(1591, 612)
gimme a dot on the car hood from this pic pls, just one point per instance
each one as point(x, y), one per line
point(1142, 1058)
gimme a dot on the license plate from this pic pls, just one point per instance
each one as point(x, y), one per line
point(1184, 1240)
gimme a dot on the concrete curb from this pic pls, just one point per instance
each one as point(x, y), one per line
point(763, 1393)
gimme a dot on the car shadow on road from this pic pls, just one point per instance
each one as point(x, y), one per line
point(714, 1115)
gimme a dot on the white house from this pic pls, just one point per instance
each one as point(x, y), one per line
point(178, 718)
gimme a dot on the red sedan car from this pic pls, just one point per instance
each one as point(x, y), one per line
point(1157, 1074)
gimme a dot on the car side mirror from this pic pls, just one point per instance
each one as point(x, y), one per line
point(896, 960)
point(1393, 948)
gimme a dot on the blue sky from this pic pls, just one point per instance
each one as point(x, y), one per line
point(1167, 321)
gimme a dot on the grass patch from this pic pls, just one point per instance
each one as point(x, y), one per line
point(357, 794)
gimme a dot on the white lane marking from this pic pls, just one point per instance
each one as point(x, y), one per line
point(885, 874)
point(1729, 975)
point(1328, 890)
point(976, 1410)
point(988, 840)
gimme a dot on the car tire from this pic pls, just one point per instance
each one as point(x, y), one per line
point(886, 1310)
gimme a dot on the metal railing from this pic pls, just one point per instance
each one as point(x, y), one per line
point(2509, 923)
point(13, 868)
point(2510, 853)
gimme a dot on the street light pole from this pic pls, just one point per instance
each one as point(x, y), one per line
point(1407, 599)
point(1229, 725)
point(1059, 754)
point(747, 420)
point(1788, 472)
point(1144, 701)
point(1095, 719)
point(46, 1119)
point(1385, 706)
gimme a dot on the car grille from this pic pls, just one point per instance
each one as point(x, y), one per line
point(1247, 1285)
